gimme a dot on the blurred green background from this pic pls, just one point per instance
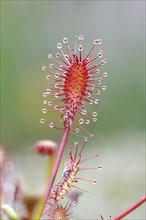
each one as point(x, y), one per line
point(29, 31)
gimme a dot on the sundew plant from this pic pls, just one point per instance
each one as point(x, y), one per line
point(74, 82)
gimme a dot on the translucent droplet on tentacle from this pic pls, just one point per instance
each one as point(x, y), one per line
point(45, 94)
point(80, 47)
point(45, 102)
point(99, 167)
point(56, 95)
point(77, 130)
point(65, 40)
point(74, 203)
point(44, 110)
point(104, 74)
point(96, 101)
point(57, 55)
point(42, 120)
point(92, 86)
point(103, 87)
point(44, 68)
point(99, 82)
point(48, 91)
point(55, 107)
point(94, 114)
point(90, 102)
point(86, 138)
point(103, 62)
point(51, 125)
point(98, 92)
point(87, 121)
point(81, 37)
point(51, 65)
point(94, 119)
point(48, 77)
point(94, 181)
point(81, 121)
point(59, 45)
point(49, 55)
point(57, 75)
point(50, 103)
point(84, 112)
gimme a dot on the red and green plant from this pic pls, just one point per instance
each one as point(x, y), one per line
point(74, 82)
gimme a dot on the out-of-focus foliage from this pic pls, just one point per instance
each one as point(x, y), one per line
point(31, 29)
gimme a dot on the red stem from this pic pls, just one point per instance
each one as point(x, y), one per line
point(57, 163)
point(130, 209)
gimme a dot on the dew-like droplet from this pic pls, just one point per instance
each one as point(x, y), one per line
point(104, 74)
point(81, 37)
point(96, 101)
point(44, 68)
point(57, 75)
point(48, 91)
point(103, 87)
point(86, 138)
point(44, 110)
point(65, 40)
point(95, 41)
point(76, 144)
point(50, 103)
point(94, 114)
point(77, 130)
point(103, 62)
point(90, 102)
point(44, 94)
point(87, 121)
point(91, 135)
point(84, 112)
point(80, 47)
point(99, 41)
point(55, 107)
point(98, 92)
point(94, 119)
point(60, 68)
point(48, 77)
point(81, 121)
point(51, 125)
point(65, 117)
point(94, 181)
point(99, 82)
point(57, 55)
point(42, 121)
point(56, 86)
point(99, 54)
point(59, 45)
point(99, 167)
point(74, 202)
point(56, 95)
point(45, 102)
point(92, 86)
point(51, 65)
point(49, 55)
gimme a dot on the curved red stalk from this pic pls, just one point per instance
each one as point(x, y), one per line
point(57, 163)
point(130, 209)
